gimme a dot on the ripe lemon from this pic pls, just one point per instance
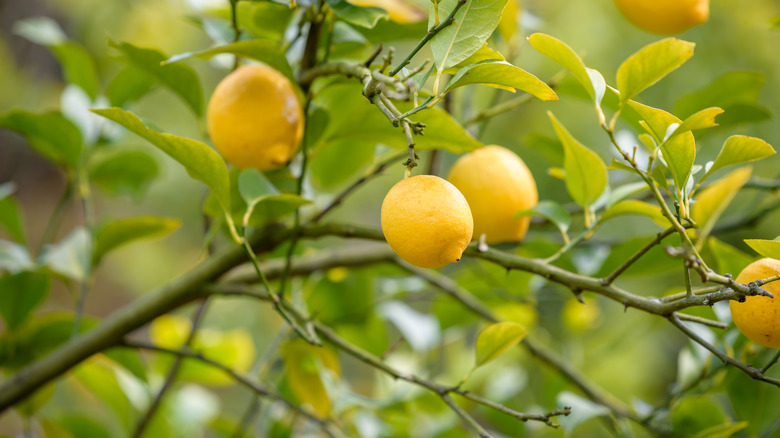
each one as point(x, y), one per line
point(254, 118)
point(426, 221)
point(497, 184)
point(665, 16)
point(758, 317)
point(399, 11)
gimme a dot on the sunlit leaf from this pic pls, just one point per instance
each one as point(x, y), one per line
point(713, 200)
point(20, 294)
point(71, 256)
point(739, 149)
point(202, 162)
point(729, 260)
point(50, 134)
point(305, 366)
point(637, 207)
point(701, 120)
point(473, 25)
point(501, 74)
point(679, 151)
point(564, 55)
point(124, 231)
point(179, 78)
point(484, 53)
point(507, 26)
point(767, 248)
point(586, 174)
point(496, 339)
point(650, 64)
point(265, 51)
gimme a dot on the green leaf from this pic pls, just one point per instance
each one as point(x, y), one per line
point(123, 171)
point(726, 91)
point(586, 174)
point(265, 51)
point(713, 200)
point(129, 359)
point(679, 151)
point(722, 430)
point(14, 257)
point(552, 211)
point(473, 24)
point(266, 20)
point(357, 15)
point(729, 259)
point(767, 248)
point(77, 64)
point(202, 162)
point(484, 53)
point(20, 294)
point(636, 207)
point(124, 231)
point(650, 64)
point(71, 256)
point(701, 120)
point(50, 134)
point(253, 186)
point(274, 207)
point(565, 56)
point(304, 366)
point(129, 85)
point(501, 74)
point(616, 164)
point(496, 339)
point(696, 413)
point(739, 149)
point(179, 78)
point(11, 217)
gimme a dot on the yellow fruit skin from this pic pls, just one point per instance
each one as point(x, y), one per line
point(397, 10)
point(426, 221)
point(254, 118)
point(497, 184)
point(665, 17)
point(758, 317)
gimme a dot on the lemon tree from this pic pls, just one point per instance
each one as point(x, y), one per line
point(389, 218)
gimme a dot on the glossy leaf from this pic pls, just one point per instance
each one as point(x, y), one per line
point(124, 231)
point(50, 134)
point(501, 74)
point(179, 78)
point(14, 257)
point(11, 219)
point(507, 26)
point(473, 24)
point(20, 294)
point(357, 15)
point(496, 339)
point(701, 120)
point(567, 58)
point(484, 53)
point(637, 207)
point(679, 151)
point(552, 211)
point(70, 257)
point(202, 162)
point(650, 64)
point(265, 51)
point(586, 174)
point(123, 171)
point(713, 200)
point(767, 248)
point(739, 149)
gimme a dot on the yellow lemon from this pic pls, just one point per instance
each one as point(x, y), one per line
point(397, 10)
point(255, 119)
point(426, 221)
point(758, 317)
point(497, 184)
point(665, 16)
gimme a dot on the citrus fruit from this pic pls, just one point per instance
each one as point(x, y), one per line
point(254, 118)
point(758, 317)
point(497, 184)
point(399, 11)
point(426, 221)
point(665, 16)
